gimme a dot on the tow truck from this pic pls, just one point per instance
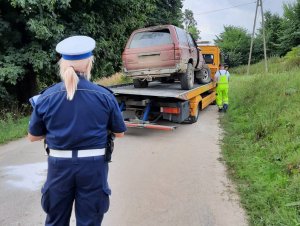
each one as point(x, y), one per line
point(145, 107)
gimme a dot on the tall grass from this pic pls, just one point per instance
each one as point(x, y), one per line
point(115, 79)
point(275, 65)
point(261, 144)
point(12, 128)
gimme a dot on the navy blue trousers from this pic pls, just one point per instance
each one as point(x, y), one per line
point(79, 180)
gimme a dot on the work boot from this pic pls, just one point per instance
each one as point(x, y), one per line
point(220, 109)
point(225, 107)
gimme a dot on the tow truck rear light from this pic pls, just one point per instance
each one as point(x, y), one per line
point(170, 110)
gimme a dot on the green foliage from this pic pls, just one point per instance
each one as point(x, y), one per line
point(273, 27)
point(276, 64)
point(189, 19)
point(234, 42)
point(282, 34)
point(194, 32)
point(166, 12)
point(290, 33)
point(30, 30)
point(262, 146)
point(190, 24)
point(11, 129)
point(294, 53)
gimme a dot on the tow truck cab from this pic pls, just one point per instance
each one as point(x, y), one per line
point(212, 56)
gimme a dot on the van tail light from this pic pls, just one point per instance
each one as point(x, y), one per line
point(177, 54)
point(169, 110)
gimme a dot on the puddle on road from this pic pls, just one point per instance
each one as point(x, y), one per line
point(28, 176)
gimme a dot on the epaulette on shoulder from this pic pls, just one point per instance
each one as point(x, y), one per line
point(109, 90)
point(41, 92)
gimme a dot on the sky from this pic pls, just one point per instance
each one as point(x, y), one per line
point(211, 24)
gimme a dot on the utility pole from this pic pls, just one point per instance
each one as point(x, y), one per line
point(259, 3)
point(264, 35)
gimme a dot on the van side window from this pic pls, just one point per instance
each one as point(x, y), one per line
point(191, 41)
point(182, 36)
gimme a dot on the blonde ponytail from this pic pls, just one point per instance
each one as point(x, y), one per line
point(69, 77)
point(71, 80)
point(67, 71)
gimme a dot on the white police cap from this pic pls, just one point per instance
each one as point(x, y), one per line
point(76, 47)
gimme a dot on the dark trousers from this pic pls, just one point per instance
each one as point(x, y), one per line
point(83, 180)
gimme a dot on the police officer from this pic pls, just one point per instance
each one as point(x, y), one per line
point(74, 117)
point(222, 79)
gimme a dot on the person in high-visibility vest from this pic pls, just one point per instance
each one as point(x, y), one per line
point(222, 80)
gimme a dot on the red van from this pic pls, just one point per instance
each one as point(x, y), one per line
point(163, 53)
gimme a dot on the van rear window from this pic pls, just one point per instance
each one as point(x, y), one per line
point(151, 38)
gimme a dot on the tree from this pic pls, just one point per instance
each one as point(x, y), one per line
point(166, 12)
point(190, 24)
point(189, 19)
point(29, 31)
point(194, 32)
point(290, 33)
point(273, 29)
point(234, 42)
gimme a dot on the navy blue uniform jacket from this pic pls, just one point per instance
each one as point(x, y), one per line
point(78, 124)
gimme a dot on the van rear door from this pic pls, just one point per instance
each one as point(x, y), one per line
point(149, 50)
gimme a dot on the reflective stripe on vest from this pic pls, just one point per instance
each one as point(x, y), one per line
point(223, 79)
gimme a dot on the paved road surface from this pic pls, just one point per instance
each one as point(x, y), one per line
point(157, 179)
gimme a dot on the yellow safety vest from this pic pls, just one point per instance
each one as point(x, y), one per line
point(223, 78)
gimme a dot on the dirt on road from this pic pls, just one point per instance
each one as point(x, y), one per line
point(157, 179)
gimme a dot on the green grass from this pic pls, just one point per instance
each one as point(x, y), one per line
point(275, 65)
point(11, 129)
point(261, 143)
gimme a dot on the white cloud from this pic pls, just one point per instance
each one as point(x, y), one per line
point(212, 24)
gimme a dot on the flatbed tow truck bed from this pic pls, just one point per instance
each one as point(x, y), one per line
point(143, 107)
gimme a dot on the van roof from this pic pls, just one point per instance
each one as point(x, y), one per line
point(153, 28)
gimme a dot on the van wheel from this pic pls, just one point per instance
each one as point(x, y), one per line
point(137, 83)
point(187, 79)
point(204, 75)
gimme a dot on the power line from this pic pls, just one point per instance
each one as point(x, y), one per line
point(213, 11)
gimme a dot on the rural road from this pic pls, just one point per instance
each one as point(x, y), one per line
point(157, 179)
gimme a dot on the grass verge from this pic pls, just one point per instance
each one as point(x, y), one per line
point(261, 144)
point(11, 129)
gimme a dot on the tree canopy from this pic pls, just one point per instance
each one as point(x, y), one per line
point(290, 32)
point(282, 34)
point(234, 42)
point(190, 24)
point(29, 31)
